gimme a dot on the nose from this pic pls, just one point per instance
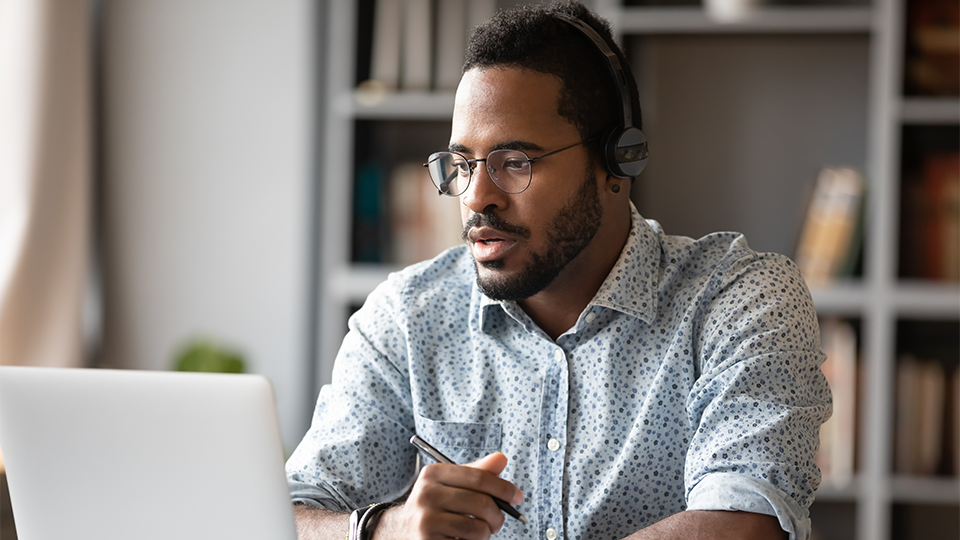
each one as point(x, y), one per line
point(483, 195)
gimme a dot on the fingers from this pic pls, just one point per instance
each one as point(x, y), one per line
point(493, 463)
point(447, 525)
point(457, 501)
point(465, 490)
point(496, 486)
point(454, 511)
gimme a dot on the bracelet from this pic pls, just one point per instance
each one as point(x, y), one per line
point(364, 520)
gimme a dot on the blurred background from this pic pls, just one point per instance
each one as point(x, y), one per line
point(159, 169)
point(229, 179)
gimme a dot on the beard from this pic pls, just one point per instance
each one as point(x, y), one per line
point(570, 231)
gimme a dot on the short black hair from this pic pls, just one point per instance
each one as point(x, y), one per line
point(533, 37)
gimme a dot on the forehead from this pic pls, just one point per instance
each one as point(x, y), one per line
point(499, 105)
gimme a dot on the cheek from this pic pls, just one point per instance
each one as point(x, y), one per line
point(535, 215)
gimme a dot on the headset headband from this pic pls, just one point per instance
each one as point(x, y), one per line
point(624, 147)
point(612, 62)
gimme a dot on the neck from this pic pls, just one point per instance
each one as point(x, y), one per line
point(557, 308)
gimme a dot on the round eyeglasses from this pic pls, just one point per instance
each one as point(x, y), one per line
point(510, 170)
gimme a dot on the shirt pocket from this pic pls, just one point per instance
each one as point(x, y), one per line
point(459, 441)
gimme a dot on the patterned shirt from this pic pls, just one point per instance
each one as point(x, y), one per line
point(691, 381)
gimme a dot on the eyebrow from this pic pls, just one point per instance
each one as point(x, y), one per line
point(523, 146)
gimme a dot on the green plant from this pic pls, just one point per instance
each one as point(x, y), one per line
point(205, 355)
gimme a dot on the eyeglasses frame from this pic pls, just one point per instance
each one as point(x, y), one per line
point(473, 165)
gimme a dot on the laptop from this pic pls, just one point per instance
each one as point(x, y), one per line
point(114, 455)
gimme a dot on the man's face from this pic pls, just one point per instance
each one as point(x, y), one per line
point(522, 242)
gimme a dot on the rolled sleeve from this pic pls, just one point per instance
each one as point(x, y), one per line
point(735, 492)
point(761, 398)
point(356, 451)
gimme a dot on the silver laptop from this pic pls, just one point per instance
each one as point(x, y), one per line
point(116, 455)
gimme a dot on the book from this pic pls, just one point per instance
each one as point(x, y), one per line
point(385, 59)
point(932, 66)
point(838, 434)
point(914, 206)
point(829, 237)
point(368, 190)
point(417, 40)
point(422, 222)
point(930, 426)
point(905, 445)
point(941, 179)
point(451, 42)
point(951, 227)
point(952, 439)
point(920, 409)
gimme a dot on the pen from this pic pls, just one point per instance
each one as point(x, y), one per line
point(435, 454)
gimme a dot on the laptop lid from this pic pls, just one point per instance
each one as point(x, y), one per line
point(111, 455)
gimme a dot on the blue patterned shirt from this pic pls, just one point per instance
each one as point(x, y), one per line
point(691, 381)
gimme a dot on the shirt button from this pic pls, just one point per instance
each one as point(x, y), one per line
point(591, 316)
point(551, 534)
point(559, 356)
point(553, 445)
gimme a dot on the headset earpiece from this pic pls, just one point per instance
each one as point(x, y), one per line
point(625, 152)
point(624, 147)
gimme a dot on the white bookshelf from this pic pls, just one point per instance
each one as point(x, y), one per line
point(693, 19)
point(878, 299)
point(910, 489)
point(930, 111)
point(846, 299)
point(393, 106)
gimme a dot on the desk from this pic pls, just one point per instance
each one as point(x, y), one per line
point(7, 529)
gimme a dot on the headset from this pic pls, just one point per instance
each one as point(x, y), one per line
point(624, 146)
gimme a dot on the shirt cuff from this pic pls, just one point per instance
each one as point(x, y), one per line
point(317, 497)
point(732, 492)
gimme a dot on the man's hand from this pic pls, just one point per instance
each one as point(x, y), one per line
point(452, 501)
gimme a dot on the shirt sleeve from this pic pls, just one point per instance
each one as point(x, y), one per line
point(760, 397)
point(357, 449)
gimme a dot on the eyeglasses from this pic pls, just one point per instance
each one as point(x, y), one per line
point(510, 170)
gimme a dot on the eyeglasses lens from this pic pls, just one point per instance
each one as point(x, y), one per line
point(509, 169)
point(451, 172)
point(445, 170)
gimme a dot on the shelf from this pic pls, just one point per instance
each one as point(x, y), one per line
point(842, 298)
point(371, 105)
point(774, 19)
point(930, 110)
point(911, 489)
point(831, 492)
point(352, 284)
point(927, 299)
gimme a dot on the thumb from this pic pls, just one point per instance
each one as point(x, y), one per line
point(493, 463)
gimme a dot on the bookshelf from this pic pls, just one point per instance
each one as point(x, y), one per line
point(854, 53)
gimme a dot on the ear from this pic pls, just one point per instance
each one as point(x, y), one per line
point(614, 185)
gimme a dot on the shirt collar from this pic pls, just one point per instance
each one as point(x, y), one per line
point(631, 285)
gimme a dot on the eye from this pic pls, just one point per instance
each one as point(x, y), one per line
point(460, 164)
point(515, 164)
point(512, 162)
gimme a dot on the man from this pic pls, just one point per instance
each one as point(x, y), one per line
point(607, 379)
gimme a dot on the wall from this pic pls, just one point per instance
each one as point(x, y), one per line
point(207, 158)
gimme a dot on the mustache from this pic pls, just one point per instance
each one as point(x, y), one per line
point(494, 222)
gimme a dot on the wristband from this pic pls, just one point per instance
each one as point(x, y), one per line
point(364, 520)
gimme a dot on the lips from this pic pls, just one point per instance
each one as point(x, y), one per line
point(488, 244)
